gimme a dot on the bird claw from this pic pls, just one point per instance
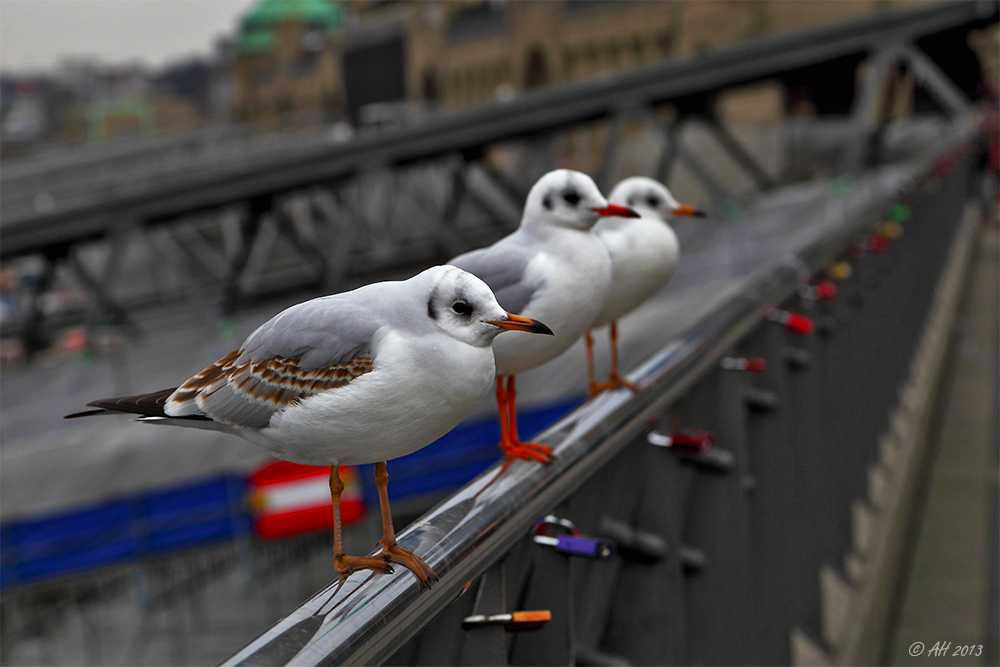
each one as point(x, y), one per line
point(412, 562)
point(345, 565)
point(615, 382)
point(529, 451)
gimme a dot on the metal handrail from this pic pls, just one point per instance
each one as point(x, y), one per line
point(375, 615)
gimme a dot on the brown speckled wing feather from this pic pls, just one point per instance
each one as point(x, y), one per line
point(247, 393)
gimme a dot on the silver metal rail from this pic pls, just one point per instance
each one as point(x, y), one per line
point(373, 616)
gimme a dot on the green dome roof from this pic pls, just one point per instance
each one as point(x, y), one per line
point(256, 27)
point(255, 41)
point(268, 12)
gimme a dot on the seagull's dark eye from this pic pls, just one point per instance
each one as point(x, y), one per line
point(572, 197)
point(462, 308)
point(653, 201)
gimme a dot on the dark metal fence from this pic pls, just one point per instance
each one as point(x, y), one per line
point(718, 549)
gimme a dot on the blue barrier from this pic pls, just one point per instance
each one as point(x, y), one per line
point(123, 530)
point(206, 512)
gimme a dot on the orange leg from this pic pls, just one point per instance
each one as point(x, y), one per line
point(615, 381)
point(503, 406)
point(510, 443)
point(343, 564)
point(392, 552)
point(594, 388)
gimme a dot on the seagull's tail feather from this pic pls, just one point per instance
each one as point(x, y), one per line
point(197, 421)
point(146, 405)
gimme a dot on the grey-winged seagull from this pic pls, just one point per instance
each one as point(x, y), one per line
point(359, 377)
point(553, 268)
point(644, 253)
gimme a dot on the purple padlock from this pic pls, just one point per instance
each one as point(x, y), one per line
point(574, 545)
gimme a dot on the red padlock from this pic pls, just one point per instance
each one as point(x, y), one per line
point(879, 244)
point(794, 322)
point(691, 440)
point(748, 364)
point(826, 290)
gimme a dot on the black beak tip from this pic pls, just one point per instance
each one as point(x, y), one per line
point(540, 328)
point(700, 214)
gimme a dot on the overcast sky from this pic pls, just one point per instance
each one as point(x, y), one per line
point(36, 34)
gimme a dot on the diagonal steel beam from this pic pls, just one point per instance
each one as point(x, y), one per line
point(935, 82)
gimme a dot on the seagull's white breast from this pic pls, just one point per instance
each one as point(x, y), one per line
point(644, 253)
point(575, 269)
point(420, 388)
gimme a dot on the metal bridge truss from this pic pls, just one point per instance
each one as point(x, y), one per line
point(324, 216)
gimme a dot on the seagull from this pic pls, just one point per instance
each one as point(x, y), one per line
point(358, 377)
point(553, 268)
point(644, 253)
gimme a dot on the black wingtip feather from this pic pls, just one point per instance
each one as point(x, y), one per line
point(149, 405)
point(88, 413)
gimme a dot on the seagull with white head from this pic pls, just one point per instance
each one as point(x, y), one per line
point(358, 377)
point(553, 268)
point(644, 254)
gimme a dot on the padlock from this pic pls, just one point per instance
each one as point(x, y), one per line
point(573, 545)
point(748, 364)
point(518, 621)
point(891, 230)
point(839, 270)
point(825, 290)
point(793, 321)
point(878, 244)
point(688, 441)
point(571, 542)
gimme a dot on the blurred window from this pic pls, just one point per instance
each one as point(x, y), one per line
point(665, 41)
point(429, 86)
point(614, 53)
point(476, 20)
point(593, 57)
point(575, 6)
point(569, 63)
point(305, 63)
point(638, 48)
point(536, 71)
point(263, 75)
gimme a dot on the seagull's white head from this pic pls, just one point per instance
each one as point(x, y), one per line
point(466, 309)
point(565, 198)
point(650, 197)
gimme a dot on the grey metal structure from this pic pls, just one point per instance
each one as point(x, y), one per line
point(316, 214)
point(469, 132)
point(719, 551)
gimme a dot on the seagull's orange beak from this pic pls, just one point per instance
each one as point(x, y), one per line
point(614, 211)
point(689, 211)
point(518, 323)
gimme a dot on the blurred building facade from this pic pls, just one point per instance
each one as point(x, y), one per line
point(287, 64)
point(84, 101)
point(302, 63)
point(318, 59)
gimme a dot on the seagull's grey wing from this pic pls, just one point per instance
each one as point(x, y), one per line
point(313, 347)
point(504, 267)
